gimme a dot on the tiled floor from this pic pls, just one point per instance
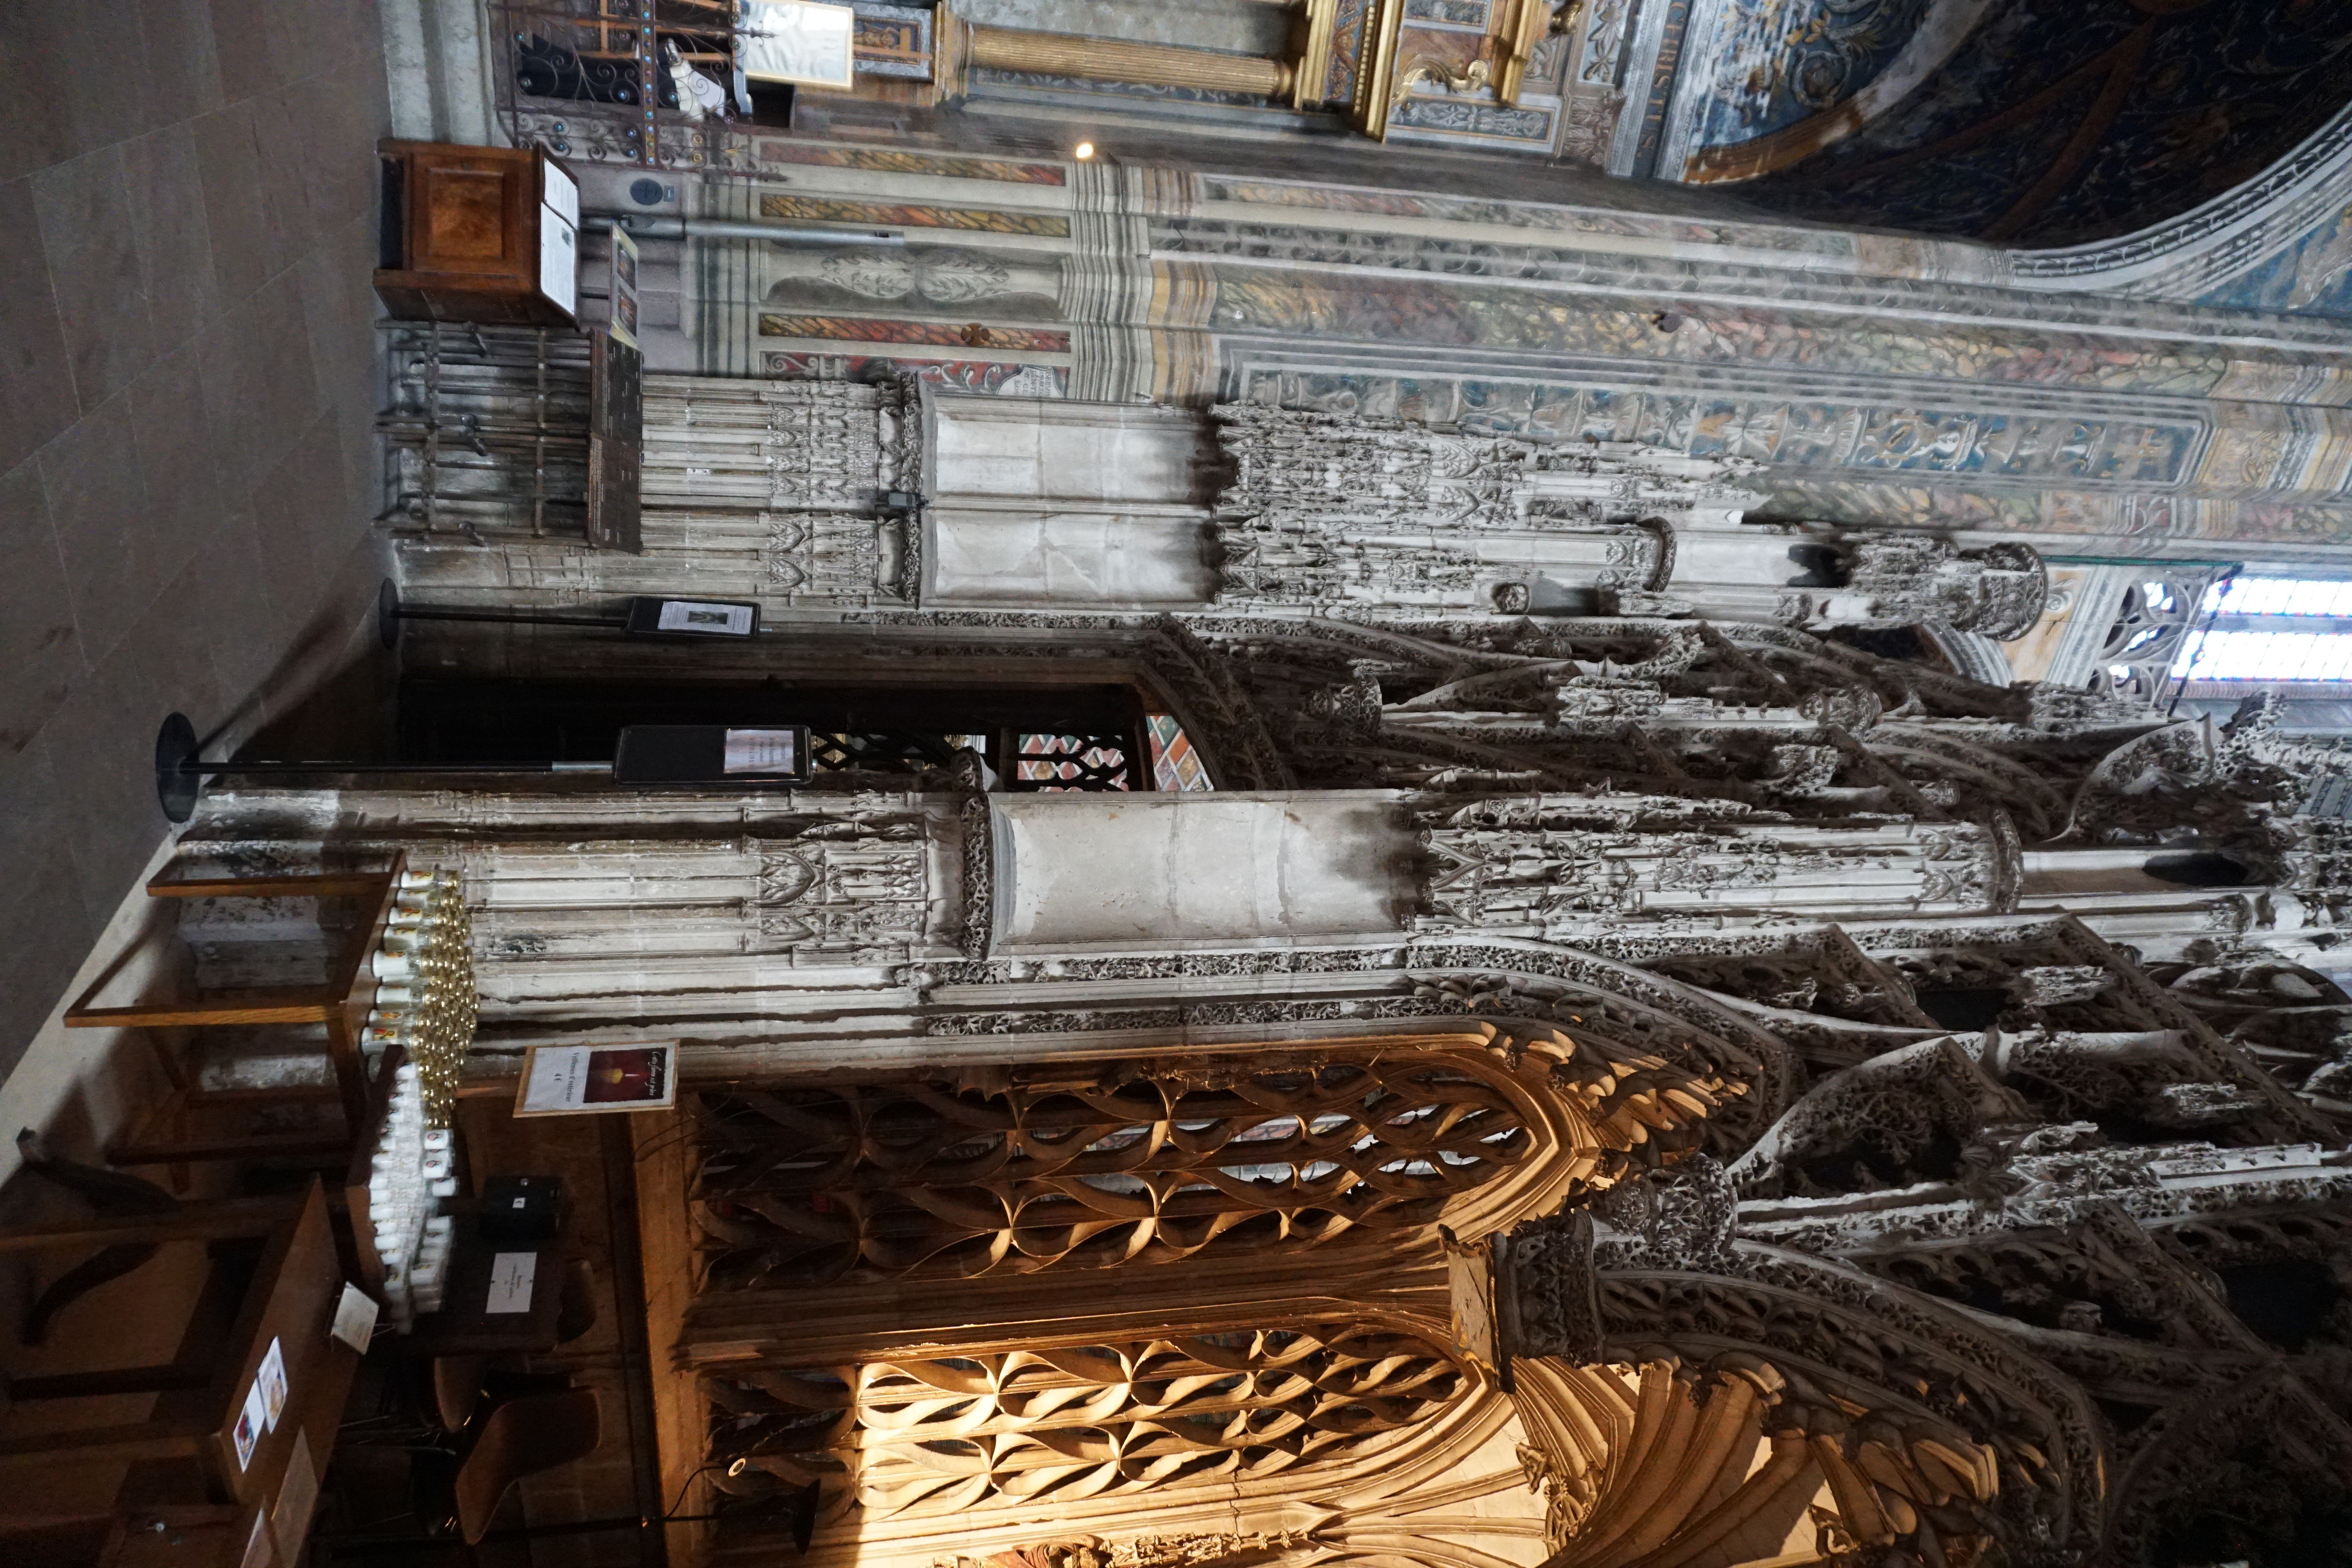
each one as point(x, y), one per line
point(186, 396)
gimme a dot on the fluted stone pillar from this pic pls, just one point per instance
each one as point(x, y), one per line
point(1117, 59)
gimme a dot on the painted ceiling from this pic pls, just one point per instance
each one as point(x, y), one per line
point(2032, 123)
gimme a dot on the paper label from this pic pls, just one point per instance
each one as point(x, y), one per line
point(511, 1274)
point(355, 1317)
point(712, 619)
point(251, 1422)
point(559, 260)
point(272, 1381)
point(762, 751)
point(560, 192)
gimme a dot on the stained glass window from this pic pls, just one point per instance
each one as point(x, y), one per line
point(2270, 628)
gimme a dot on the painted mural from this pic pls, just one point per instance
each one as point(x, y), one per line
point(2129, 420)
point(2313, 275)
point(1334, 306)
point(2055, 122)
point(1777, 62)
point(1942, 443)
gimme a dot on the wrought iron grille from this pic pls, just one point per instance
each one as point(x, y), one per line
point(486, 429)
point(590, 79)
point(883, 751)
point(1045, 762)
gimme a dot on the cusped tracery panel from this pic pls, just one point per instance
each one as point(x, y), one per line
point(805, 1187)
point(926, 1436)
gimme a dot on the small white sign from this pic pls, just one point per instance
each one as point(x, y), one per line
point(272, 1381)
point(252, 1421)
point(355, 1317)
point(559, 260)
point(762, 751)
point(511, 1276)
point(711, 619)
point(798, 41)
point(560, 190)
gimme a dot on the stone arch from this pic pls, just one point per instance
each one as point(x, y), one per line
point(1719, 1413)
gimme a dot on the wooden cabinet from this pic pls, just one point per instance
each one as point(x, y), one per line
point(477, 233)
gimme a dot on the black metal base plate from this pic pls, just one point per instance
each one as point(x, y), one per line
point(176, 792)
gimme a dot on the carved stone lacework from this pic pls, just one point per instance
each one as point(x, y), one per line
point(854, 891)
point(804, 1188)
point(1326, 512)
point(2053, 1176)
point(2257, 1466)
point(1559, 703)
point(2069, 710)
point(1221, 1550)
point(1562, 869)
point(827, 445)
point(832, 557)
point(1544, 1284)
point(2103, 1276)
point(1916, 1415)
point(2297, 1021)
point(1569, 1497)
point(1903, 579)
point(1931, 1432)
point(1896, 1120)
point(1681, 1216)
point(925, 1438)
point(2126, 1082)
point(1621, 1012)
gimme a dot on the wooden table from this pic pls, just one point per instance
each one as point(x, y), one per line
point(290, 1303)
point(484, 233)
point(168, 1132)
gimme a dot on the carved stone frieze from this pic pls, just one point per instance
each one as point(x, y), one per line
point(1563, 868)
point(822, 445)
point(832, 557)
point(1217, 1550)
point(1326, 514)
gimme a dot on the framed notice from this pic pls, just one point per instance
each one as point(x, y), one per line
point(623, 288)
point(616, 439)
point(800, 41)
point(580, 1080)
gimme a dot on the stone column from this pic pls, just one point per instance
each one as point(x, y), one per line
point(1116, 60)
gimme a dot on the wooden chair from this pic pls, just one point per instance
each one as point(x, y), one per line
point(577, 1314)
point(522, 1437)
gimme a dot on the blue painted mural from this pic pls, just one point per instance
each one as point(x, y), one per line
point(1781, 61)
point(2313, 275)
